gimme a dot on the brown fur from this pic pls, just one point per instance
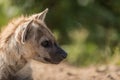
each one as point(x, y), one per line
point(25, 39)
point(9, 52)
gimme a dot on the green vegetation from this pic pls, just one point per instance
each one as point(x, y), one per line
point(89, 30)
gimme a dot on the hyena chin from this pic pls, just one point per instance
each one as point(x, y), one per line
point(24, 39)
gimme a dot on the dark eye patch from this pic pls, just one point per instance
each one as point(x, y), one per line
point(46, 43)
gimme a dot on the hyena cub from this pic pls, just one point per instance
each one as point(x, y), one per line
point(24, 39)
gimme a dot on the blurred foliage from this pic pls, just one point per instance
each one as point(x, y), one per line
point(89, 30)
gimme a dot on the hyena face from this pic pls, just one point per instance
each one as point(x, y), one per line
point(37, 41)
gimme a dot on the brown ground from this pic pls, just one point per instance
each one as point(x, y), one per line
point(66, 72)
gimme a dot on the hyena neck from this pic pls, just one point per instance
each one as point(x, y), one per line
point(8, 67)
point(10, 59)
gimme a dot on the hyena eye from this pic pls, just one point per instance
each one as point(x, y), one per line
point(46, 44)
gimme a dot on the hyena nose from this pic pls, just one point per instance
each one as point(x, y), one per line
point(63, 54)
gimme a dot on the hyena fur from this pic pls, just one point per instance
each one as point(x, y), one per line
point(26, 39)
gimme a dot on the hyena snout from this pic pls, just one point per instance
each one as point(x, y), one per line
point(61, 52)
point(58, 55)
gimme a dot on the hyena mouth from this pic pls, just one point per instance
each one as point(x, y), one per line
point(52, 61)
point(47, 59)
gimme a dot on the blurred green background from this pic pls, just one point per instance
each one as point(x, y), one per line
point(89, 30)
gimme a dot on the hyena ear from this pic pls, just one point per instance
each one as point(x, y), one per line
point(42, 15)
point(22, 32)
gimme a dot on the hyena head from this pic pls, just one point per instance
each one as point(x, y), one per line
point(37, 41)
